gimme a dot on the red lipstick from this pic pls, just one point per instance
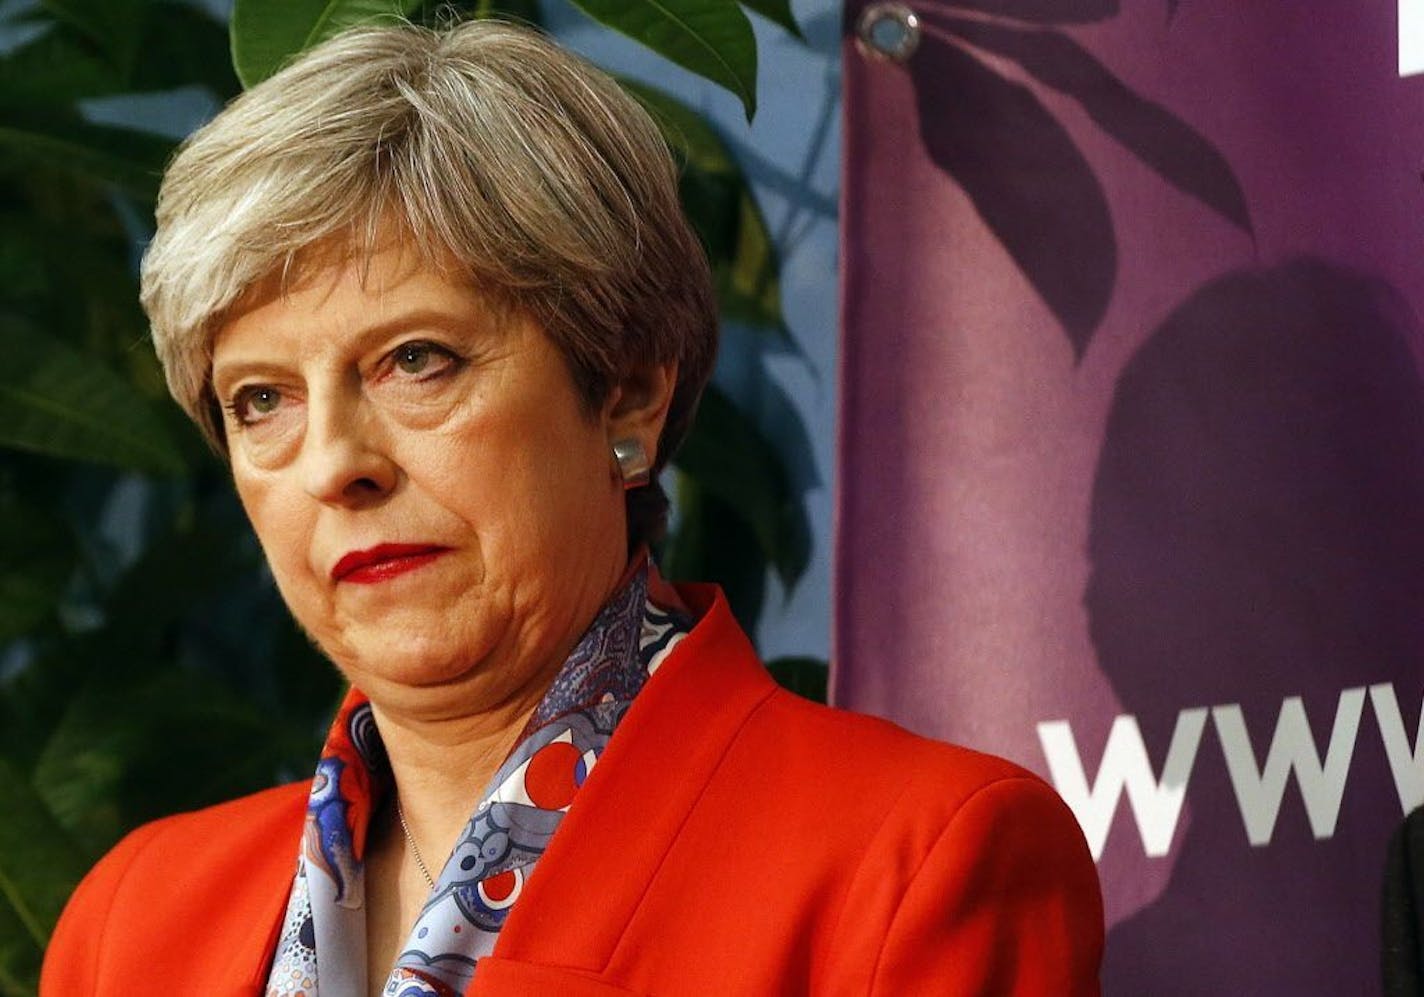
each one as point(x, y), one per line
point(366, 567)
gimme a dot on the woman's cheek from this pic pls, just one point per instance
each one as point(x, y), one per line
point(273, 442)
point(283, 530)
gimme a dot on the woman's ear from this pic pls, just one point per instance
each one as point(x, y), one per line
point(637, 407)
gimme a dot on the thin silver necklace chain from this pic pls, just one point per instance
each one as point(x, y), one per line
point(410, 840)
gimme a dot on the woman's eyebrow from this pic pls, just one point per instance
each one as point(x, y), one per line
point(423, 317)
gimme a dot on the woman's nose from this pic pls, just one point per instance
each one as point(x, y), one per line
point(345, 460)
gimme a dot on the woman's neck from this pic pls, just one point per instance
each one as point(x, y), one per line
point(440, 767)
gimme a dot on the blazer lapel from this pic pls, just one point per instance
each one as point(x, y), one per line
point(588, 884)
point(253, 950)
point(268, 881)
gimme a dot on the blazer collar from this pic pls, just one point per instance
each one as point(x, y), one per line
point(637, 797)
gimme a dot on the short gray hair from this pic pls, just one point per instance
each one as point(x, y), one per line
point(501, 155)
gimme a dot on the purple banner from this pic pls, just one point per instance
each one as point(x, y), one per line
point(1131, 481)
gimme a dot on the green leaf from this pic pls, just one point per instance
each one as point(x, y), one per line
point(39, 864)
point(132, 161)
point(113, 25)
point(172, 578)
point(734, 463)
point(19, 959)
point(720, 206)
point(440, 12)
point(183, 46)
point(712, 38)
point(68, 271)
point(776, 11)
point(748, 284)
point(57, 401)
point(801, 675)
point(111, 762)
point(58, 66)
point(34, 697)
point(684, 129)
point(266, 33)
point(36, 559)
point(23, 273)
point(714, 543)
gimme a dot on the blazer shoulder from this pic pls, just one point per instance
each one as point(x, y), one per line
point(870, 747)
point(968, 868)
point(222, 833)
point(1004, 900)
point(139, 885)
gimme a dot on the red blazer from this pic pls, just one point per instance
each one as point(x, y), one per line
point(733, 839)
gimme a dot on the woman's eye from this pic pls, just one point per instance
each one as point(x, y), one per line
point(421, 359)
point(264, 400)
point(255, 403)
point(413, 357)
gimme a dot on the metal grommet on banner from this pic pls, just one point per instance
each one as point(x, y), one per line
point(888, 31)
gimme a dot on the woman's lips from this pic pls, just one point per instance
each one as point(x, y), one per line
point(366, 567)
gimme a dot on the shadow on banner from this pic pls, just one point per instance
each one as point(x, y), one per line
point(1131, 477)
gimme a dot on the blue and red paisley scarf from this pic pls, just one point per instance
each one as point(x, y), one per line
point(322, 946)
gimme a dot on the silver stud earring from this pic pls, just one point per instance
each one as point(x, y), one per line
point(633, 463)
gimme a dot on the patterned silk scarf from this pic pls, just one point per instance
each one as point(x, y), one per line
point(322, 946)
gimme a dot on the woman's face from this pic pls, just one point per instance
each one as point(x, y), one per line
point(441, 514)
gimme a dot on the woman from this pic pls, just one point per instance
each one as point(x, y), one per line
point(433, 297)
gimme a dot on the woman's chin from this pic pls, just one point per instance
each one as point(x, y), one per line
point(387, 665)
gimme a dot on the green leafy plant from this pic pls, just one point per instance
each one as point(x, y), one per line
point(146, 663)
